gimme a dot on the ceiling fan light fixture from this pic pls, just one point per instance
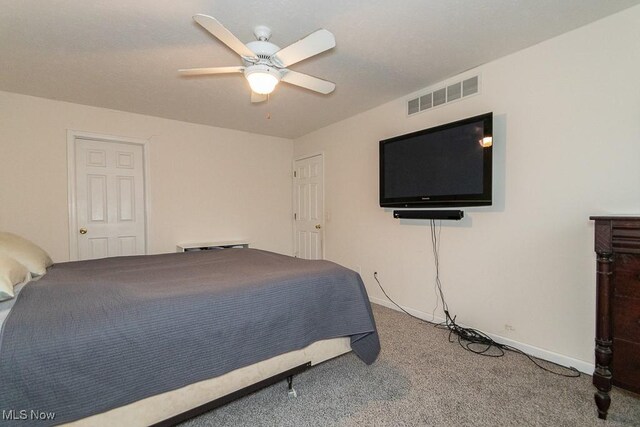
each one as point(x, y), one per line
point(262, 78)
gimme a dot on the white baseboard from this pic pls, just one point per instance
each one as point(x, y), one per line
point(580, 365)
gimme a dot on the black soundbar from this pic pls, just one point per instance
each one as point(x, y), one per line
point(442, 214)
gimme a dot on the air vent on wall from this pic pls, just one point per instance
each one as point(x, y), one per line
point(444, 95)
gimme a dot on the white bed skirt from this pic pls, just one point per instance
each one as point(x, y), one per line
point(160, 407)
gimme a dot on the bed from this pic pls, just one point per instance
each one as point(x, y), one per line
point(147, 339)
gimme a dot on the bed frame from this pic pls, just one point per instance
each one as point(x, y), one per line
point(175, 406)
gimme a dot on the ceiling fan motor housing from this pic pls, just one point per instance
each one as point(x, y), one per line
point(263, 50)
point(263, 67)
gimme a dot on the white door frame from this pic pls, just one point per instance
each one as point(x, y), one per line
point(72, 135)
point(293, 198)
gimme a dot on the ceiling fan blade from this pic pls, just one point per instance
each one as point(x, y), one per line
point(308, 82)
point(214, 70)
point(258, 97)
point(212, 25)
point(313, 44)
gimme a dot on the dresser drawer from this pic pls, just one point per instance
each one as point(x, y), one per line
point(626, 365)
point(626, 283)
point(627, 262)
point(625, 237)
point(626, 319)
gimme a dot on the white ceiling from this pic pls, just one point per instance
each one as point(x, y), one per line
point(124, 54)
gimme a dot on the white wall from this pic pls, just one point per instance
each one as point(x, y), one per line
point(566, 146)
point(195, 175)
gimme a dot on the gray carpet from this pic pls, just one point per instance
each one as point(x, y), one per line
point(420, 379)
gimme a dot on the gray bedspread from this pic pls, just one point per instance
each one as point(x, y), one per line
point(94, 335)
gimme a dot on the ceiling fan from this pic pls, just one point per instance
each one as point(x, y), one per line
point(265, 64)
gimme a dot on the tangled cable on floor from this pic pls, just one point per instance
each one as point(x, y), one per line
point(471, 339)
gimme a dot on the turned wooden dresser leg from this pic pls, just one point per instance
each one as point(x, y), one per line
point(604, 354)
point(602, 377)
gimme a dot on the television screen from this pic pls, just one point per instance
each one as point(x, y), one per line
point(448, 165)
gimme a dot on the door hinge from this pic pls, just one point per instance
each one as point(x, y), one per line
point(295, 174)
point(295, 216)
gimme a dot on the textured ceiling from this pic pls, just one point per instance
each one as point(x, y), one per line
point(124, 54)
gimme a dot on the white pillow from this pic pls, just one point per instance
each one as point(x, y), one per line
point(25, 252)
point(11, 274)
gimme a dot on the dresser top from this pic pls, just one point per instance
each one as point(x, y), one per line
point(615, 217)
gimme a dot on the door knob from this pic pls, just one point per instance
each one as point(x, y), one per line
point(83, 230)
point(318, 226)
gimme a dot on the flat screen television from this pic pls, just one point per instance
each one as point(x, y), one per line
point(447, 165)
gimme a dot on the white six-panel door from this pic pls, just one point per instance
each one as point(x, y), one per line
point(308, 207)
point(109, 199)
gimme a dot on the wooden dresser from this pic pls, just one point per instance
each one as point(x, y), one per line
point(617, 245)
